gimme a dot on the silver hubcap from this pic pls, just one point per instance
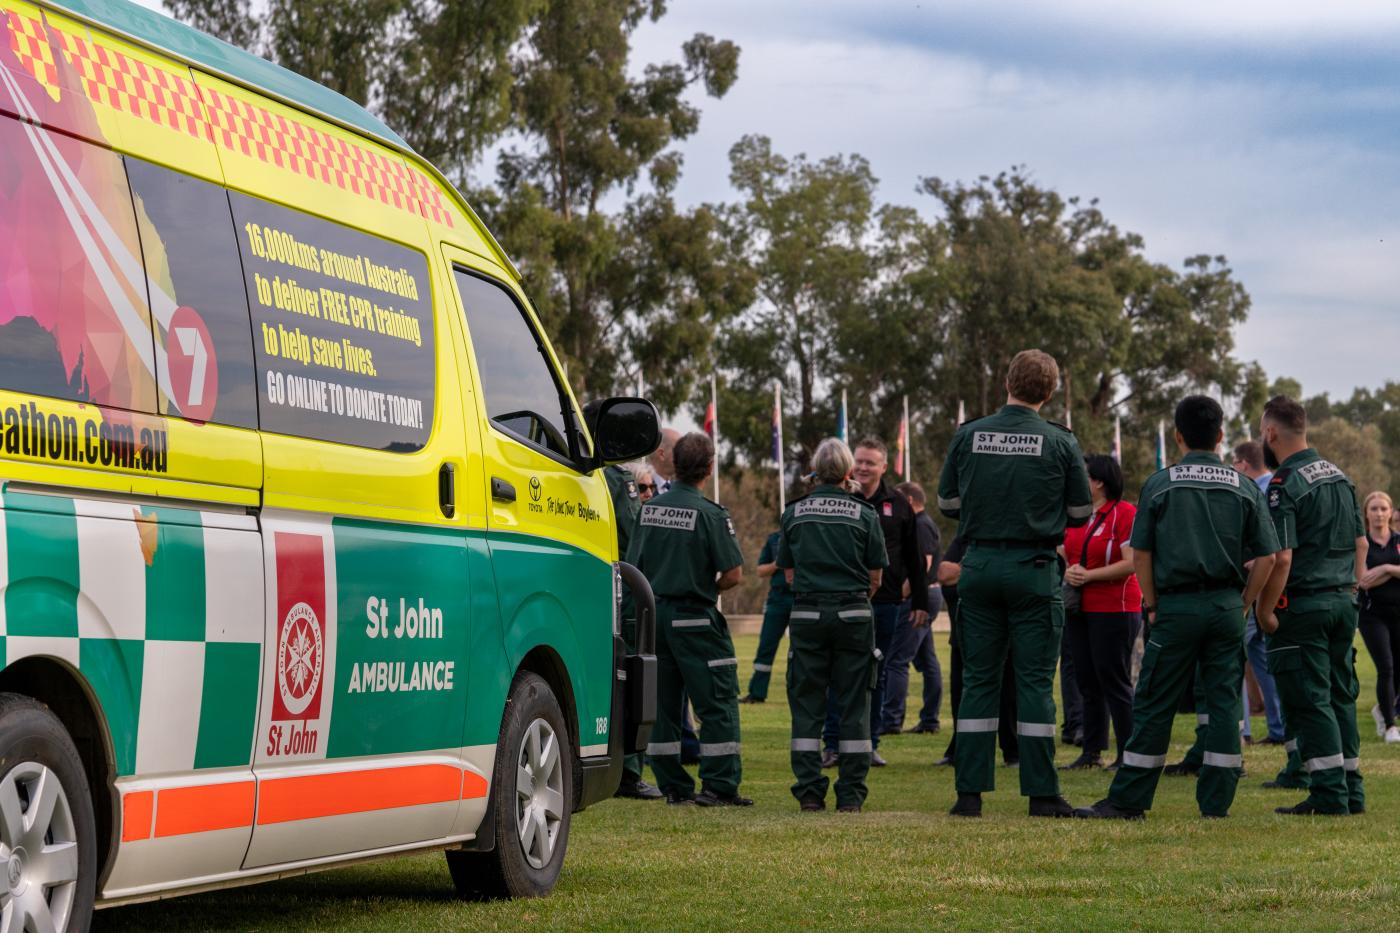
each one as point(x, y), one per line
point(39, 849)
point(539, 793)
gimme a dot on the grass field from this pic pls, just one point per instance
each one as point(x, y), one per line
point(901, 864)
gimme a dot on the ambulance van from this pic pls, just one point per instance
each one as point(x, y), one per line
point(305, 551)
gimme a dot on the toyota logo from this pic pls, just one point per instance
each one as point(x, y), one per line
point(535, 489)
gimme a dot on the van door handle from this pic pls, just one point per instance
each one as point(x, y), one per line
point(447, 490)
point(502, 490)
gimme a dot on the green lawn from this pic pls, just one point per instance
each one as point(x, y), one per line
point(901, 864)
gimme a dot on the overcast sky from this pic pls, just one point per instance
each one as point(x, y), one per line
point(1264, 131)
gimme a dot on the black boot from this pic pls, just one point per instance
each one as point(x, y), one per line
point(1306, 808)
point(967, 805)
point(1057, 807)
point(1085, 762)
point(1108, 810)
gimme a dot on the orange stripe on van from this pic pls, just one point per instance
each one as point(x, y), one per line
point(137, 808)
point(204, 808)
point(473, 785)
point(306, 797)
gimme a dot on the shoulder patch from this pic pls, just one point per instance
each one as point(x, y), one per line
point(1281, 476)
point(1318, 471)
point(1001, 444)
point(827, 508)
point(668, 516)
point(1204, 473)
point(631, 489)
point(1275, 496)
point(729, 523)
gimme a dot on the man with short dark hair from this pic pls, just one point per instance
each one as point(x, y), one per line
point(1308, 609)
point(1199, 523)
point(914, 643)
point(1013, 481)
point(685, 545)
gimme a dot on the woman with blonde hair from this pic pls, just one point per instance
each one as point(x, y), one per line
point(1380, 608)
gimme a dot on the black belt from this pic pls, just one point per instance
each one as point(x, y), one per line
point(1044, 543)
point(831, 597)
point(1293, 592)
point(1211, 587)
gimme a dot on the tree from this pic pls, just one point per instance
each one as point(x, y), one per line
point(1356, 450)
point(230, 20)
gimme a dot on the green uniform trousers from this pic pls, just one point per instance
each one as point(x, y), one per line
point(1292, 774)
point(695, 655)
point(1008, 600)
point(1313, 659)
point(1195, 755)
point(831, 645)
point(1192, 630)
point(775, 622)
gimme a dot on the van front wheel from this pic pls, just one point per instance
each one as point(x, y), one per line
point(47, 838)
point(530, 801)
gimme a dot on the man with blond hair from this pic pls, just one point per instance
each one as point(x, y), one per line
point(1013, 481)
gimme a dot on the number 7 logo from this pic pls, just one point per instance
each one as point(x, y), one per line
point(193, 366)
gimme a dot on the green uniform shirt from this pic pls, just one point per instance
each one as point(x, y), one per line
point(831, 540)
point(681, 542)
point(1014, 477)
point(1202, 521)
point(1313, 505)
point(778, 589)
point(622, 486)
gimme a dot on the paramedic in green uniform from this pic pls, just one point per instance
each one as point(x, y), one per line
point(833, 551)
point(775, 620)
point(1014, 481)
point(1198, 524)
point(685, 545)
point(1309, 609)
point(626, 507)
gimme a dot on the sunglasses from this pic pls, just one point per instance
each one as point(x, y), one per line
point(650, 486)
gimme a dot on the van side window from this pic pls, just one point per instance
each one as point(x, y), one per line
point(74, 323)
point(204, 352)
point(522, 395)
point(342, 329)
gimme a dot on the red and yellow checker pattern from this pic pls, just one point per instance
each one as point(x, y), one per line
point(119, 78)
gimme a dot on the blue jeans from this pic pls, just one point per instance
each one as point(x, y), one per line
point(1258, 659)
point(887, 619)
point(913, 645)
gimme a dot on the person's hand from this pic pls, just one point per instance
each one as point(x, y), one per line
point(918, 618)
point(1374, 577)
point(1076, 575)
point(1268, 620)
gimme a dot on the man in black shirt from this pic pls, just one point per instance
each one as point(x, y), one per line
point(915, 644)
point(906, 563)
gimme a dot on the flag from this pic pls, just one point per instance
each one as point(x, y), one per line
point(1118, 439)
point(1161, 447)
point(709, 426)
point(841, 431)
point(900, 464)
point(778, 444)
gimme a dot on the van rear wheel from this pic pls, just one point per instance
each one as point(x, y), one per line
point(531, 801)
point(48, 850)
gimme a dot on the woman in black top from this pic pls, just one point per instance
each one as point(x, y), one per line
point(1380, 608)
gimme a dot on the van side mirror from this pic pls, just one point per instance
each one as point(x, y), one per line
point(624, 429)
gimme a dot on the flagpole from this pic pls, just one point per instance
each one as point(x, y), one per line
point(714, 405)
point(908, 443)
point(778, 447)
point(845, 421)
point(1118, 438)
point(962, 413)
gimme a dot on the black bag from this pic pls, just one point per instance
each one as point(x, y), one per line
point(1071, 595)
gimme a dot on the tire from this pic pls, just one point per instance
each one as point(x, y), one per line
point(524, 864)
point(49, 869)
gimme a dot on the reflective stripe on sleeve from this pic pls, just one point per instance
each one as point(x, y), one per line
point(1217, 760)
point(1351, 764)
point(855, 747)
point(1036, 730)
point(854, 614)
point(764, 668)
point(690, 623)
point(1203, 719)
point(806, 745)
point(1079, 511)
point(663, 748)
point(1291, 745)
point(1134, 760)
point(1326, 763)
point(976, 725)
point(952, 504)
point(714, 749)
point(724, 662)
point(803, 614)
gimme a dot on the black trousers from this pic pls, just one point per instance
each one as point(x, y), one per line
point(1381, 632)
point(1006, 728)
point(1102, 646)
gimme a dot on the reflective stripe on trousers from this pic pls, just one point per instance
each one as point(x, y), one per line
point(1035, 730)
point(723, 662)
point(663, 748)
point(690, 623)
point(806, 745)
point(765, 668)
point(854, 746)
point(1217, 760)
point(1323, 764)
point(1134, 760)
point(714, 749)
point(976, 725)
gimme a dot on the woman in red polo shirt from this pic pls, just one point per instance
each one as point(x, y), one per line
point(1102, 632)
